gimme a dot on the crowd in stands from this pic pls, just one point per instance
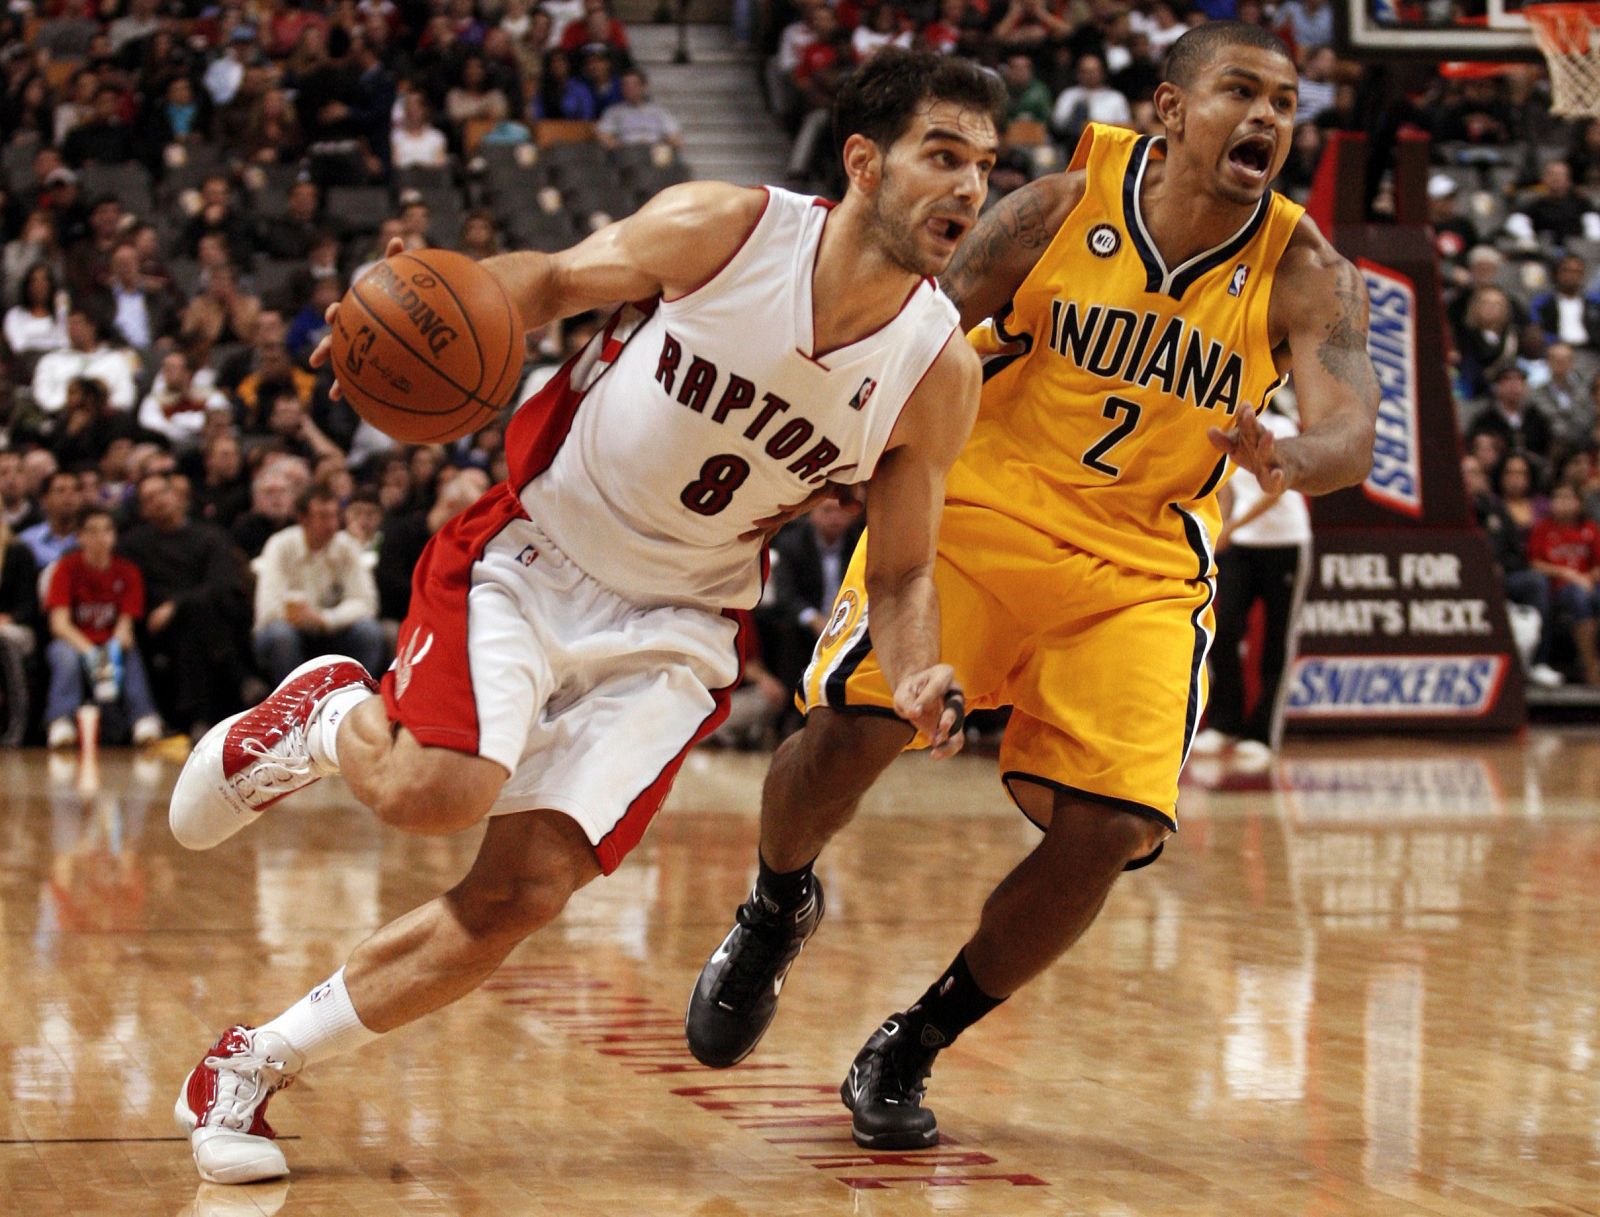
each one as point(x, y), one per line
point(1065, 63)
point(184, 189)
point(1515, 205)
point(1515, 201)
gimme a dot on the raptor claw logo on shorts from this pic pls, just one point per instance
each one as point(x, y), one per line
point(1104, 240)
point(843, 619)
point(414, 652)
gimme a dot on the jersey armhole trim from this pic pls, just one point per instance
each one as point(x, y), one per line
point(744, 243)
point(888, 439)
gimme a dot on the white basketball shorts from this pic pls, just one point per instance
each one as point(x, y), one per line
point(591, 701)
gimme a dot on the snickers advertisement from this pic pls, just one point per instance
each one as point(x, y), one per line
point(1403, 626)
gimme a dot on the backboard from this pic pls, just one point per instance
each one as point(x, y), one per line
point(1433, 29)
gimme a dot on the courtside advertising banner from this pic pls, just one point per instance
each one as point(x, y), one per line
point(1403, 626)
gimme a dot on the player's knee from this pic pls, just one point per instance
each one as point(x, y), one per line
point(1103, 837)
point(515, 906)
point(1125, 837)
point(841, 755)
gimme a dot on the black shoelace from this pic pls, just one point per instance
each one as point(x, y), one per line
point(903, 1068)
point(766, 947)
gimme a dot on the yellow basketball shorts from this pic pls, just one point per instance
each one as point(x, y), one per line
point(1104, 666)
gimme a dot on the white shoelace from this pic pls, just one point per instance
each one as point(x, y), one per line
point(243, 1083)
point(272, 767)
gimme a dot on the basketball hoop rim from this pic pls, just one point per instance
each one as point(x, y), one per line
point(1564, 26)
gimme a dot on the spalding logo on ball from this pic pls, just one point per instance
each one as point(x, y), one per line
point(427, 346)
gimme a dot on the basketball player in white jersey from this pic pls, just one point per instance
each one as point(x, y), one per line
point(567, 642)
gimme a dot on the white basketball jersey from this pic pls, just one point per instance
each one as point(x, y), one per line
point(686, 421)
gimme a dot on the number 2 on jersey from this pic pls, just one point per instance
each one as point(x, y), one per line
point(1095, 457)
point(713, 490)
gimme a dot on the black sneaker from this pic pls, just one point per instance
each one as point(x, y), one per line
point(885, 1089)
point(737, 994)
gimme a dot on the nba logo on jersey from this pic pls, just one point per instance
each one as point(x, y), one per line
point(1240, 274)
point(863, 394)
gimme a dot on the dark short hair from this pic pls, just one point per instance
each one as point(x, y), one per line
point(94, 314)
point(57, 476)
point(882, 96)
point(27, 276)
point(1193, 51)
point(92, 387)
point(313, 494)
point(89, 512)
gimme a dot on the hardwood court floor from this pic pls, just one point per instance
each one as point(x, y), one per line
point(1367, 982)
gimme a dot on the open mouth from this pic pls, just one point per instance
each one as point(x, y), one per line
point(1252, 154)
point(949, 228)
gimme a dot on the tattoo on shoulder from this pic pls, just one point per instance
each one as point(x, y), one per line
point(1343, 351)
point(1016, 221)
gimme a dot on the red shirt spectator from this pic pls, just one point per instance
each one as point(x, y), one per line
point(96, 597)
point(941, 36)
point(593, 29)
point(1573, 546)
point(820, 58)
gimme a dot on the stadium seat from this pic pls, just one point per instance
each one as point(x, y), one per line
point(424, 178)
point(185, 275)
point(532, 228)
point(473, 131)
point(130, 182)
point(569, 161)
point(652, 179)
point(358, 209)
point(185, 177)
point(445, 214)
point(585, 198)
point(67, 38)
point(271, 197)
point(16, 163)
point(550, 132)
point(273, 278)
point(337, 166)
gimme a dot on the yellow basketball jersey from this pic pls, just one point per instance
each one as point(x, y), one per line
point(1105, 371)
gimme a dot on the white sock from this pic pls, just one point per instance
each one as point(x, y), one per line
point(324, 735)
point(323, 1023)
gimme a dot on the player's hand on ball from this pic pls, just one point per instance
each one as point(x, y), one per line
point(1251, 446)
point(324, 349)
point(930, 701)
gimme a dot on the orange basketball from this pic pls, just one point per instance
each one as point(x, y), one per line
point(427, 346)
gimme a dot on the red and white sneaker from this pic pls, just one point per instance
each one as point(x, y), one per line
point(223, 1106)
point(248, 762)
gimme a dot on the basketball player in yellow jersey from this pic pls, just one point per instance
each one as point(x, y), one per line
point(1136, 311)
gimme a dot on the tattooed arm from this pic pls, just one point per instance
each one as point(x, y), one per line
point(1319, 308)
point(997, 255)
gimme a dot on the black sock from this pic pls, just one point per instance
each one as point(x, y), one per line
point(787, 890)
point(951, 1005)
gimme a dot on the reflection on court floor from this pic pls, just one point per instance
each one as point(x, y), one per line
point(1358, 982)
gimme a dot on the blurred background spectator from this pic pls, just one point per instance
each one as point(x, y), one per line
point(314, 593)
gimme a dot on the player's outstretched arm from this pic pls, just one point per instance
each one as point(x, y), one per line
point(1319, 305)
point(670, 246)
point(1000, 251)
point(905, 500)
